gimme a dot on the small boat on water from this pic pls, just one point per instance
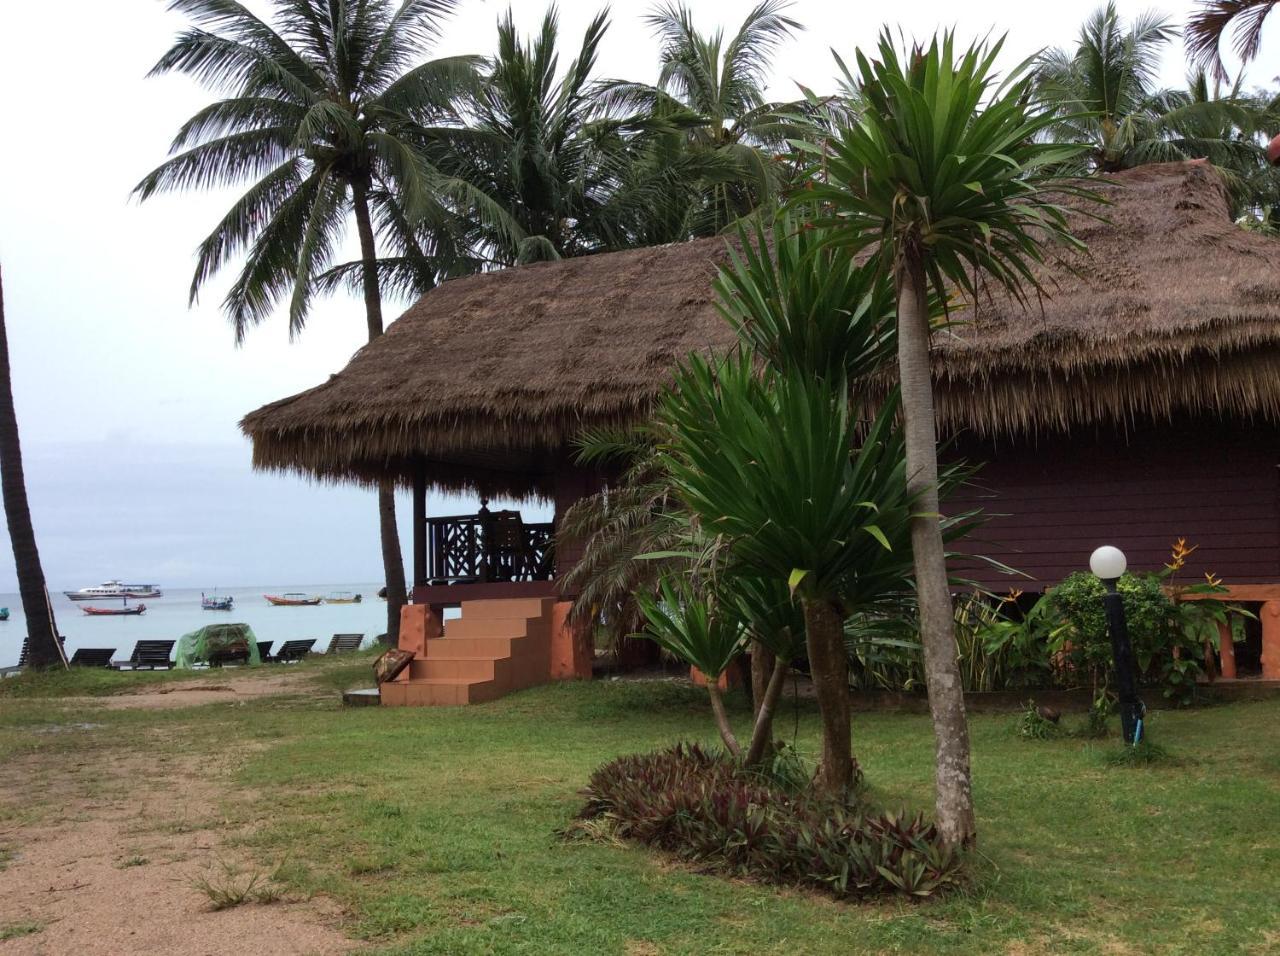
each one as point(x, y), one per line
point(343, 597)
point(114, 611)
point(4, 614)
point(292, 599)
point(115, 589)
point(214, 603)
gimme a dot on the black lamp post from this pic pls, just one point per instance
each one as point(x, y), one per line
point(1108, 564)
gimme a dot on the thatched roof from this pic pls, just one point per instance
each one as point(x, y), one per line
point(487, 378)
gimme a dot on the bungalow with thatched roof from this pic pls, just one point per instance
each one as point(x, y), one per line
point(1139, 404)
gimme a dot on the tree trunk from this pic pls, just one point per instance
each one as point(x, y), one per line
point(954, 798)
point(722, 719)
point(761, 669)
point(762, 733)
point(42, 640)
point(392, 557)
point(824, 633)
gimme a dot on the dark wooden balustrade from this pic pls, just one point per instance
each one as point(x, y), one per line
point(488, 548)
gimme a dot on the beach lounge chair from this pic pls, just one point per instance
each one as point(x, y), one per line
point(148, 655)
point(22, 657)
point(341, 643)
point(264, 650)
point(293, 651)
point(92, 657)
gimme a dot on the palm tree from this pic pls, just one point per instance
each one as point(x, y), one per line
point(328, 113)
point(944, 177)
point(1106, 96)
point(1104, 91)
point(43, 649)
point(534, 150)
point(1207, 27)
point(713, 90)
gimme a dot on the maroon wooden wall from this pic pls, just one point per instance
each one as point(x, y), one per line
point(1060, 497)
point(571, 485)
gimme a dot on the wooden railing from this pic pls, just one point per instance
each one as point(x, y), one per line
point(487, 548)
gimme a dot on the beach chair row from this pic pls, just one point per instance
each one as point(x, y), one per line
point(157, 655)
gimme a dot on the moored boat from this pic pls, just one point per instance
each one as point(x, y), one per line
point(4, 614)
point(292, 599)
point(343, 597)
point(214, 603)
point(114, 611)
point(115, 589)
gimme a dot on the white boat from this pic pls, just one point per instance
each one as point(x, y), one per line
point(114, 589)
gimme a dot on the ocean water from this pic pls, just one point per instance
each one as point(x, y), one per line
point(178, 611)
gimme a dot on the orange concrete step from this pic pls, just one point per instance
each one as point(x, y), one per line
point(463, 668)
point(439, 692)
point(506, 608)
point(490, 626)
point(491, 647)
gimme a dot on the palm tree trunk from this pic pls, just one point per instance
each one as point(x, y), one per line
point(954, 798)
point(722, 718)
point(762, 661)
point(766, 703)
point(824, 633)
point(392, 557)
point(42, 640)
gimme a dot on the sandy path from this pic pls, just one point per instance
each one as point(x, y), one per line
point(109, 871)
point(228, 688)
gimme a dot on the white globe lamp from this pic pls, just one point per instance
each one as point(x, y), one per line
point(1108, 563)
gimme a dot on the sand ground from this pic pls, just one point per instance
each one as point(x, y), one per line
point(110, 865)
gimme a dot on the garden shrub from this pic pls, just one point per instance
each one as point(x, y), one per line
point(1167, 655)
point(699, 806)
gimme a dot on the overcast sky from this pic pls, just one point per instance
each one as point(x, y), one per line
point(128, 400)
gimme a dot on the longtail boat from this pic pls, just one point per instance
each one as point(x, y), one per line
point(292, 599)
point(113, 611)
point(214, 603)
point(343, 597)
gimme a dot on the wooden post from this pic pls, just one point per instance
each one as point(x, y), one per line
point(1226, 651)
point(1270, 616)
point(419, 525)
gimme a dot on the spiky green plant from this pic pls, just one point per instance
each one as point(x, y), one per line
point(775, 466)
point(943, 179)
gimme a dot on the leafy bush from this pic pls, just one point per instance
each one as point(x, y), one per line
point(1168, 654)
point(1032, 725)
point(699, 806)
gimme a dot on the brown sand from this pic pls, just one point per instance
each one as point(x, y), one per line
point(104, 859)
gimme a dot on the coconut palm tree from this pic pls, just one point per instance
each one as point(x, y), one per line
point(535, 149)
point(712, 88)
point(1106, 96)
point(1105, 89)
point(1209, 25)
point(327, 113)
point(944, 177)
point(43, 649)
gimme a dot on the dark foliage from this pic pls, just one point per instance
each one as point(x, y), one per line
point(701, 807)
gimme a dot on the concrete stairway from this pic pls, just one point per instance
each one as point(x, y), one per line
point(496, 647)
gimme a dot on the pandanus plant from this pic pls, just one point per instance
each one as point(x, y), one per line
point(775, 465)
point(946, 183)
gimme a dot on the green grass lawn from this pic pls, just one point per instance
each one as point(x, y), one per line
point(436, 829)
